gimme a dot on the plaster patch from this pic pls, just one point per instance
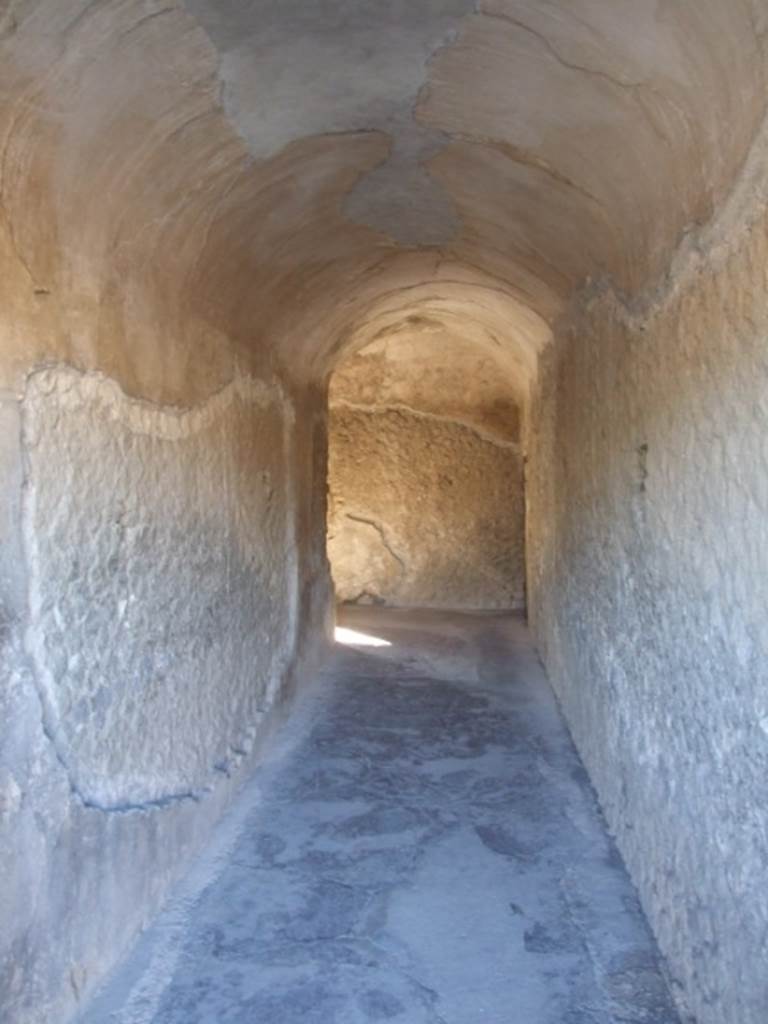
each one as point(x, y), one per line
point(299, 70)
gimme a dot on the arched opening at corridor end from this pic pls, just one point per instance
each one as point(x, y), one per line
point(425, 487)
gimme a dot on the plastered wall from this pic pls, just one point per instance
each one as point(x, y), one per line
point(161, 553)
point(424, 513)
point(425, 476)
point(648, 572)
point(159, 629)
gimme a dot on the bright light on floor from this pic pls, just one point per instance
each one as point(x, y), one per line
point(351, 636)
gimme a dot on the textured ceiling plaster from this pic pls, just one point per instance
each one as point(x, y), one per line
point(270, 175)
point(453, 299)
point(292, 69)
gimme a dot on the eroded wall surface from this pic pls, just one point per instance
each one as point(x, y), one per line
point(425, 477)
point(161, 555)
point(647, 592)
point(161, 626)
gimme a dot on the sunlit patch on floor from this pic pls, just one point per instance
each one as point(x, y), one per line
point(343, 635)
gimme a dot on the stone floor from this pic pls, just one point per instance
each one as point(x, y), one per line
point(422, 847)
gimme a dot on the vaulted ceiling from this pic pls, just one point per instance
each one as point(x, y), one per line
point(299, 177)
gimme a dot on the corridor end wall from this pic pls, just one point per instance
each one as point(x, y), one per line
point(426, 474)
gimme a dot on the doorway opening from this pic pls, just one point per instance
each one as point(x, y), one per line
point(425, 480)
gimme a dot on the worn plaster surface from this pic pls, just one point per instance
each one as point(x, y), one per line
point(423, 847)
point(175, 528)
point(422, 366)
point(648, 561)
point(255, 161)
point(425, 474)
point(152, 648)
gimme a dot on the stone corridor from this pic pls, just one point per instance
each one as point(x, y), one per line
point(457, 305)
point(420, 846)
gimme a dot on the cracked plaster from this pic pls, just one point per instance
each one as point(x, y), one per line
point(425, 474)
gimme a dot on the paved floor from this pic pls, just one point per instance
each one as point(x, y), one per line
point(424, 849)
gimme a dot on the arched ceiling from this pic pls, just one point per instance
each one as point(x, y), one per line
point(424, 368)
point(294, 177)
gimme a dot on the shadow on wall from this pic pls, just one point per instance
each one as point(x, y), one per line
point(425, 475)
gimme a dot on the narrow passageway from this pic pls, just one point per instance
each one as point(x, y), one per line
point(447, 304)
point(421, 846)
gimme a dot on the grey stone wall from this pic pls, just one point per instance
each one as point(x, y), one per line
point(425, 511)
point(153, 633)
point(648, 570)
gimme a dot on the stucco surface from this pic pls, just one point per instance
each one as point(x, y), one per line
point(255, 161)
point(175, 528)
point(157, 639)
point(423, 512)
point(647, 591)
point(425, 474)
point(424, 367)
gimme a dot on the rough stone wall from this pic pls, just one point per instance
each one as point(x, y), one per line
point(157, 631)
point(425, 368)
point(425, 472)
point(425, 511)
point(161, 557)
point(647, 592)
